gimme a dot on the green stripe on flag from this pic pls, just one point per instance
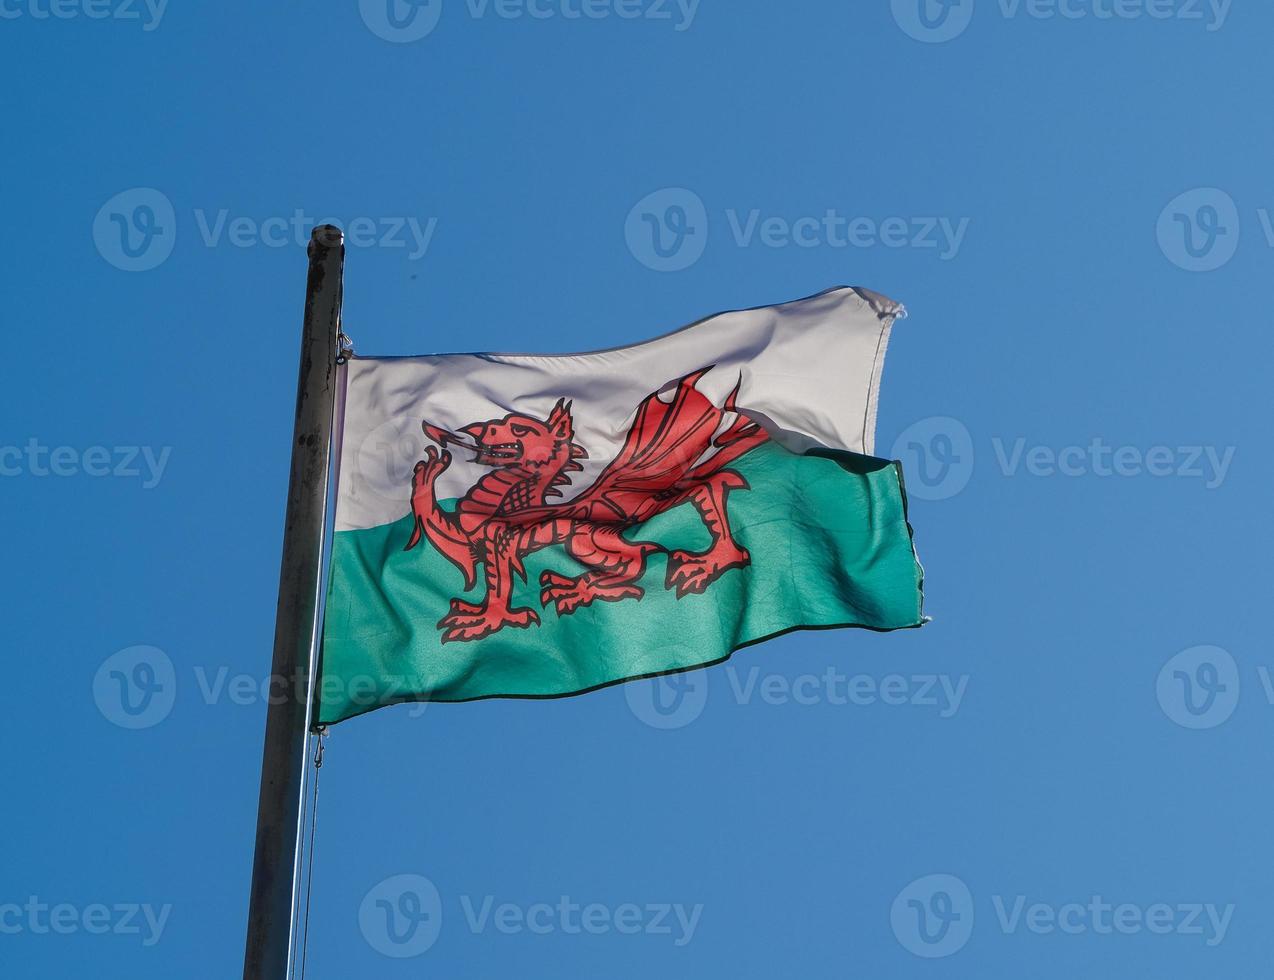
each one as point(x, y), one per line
point(830, 546)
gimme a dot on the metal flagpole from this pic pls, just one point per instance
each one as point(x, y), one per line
point(274, 869)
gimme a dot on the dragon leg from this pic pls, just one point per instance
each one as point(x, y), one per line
point(692, 573)
point(467, 621)
point(615, 565)
point(430, 522)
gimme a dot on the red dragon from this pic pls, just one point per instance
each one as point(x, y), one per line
point(677, 451)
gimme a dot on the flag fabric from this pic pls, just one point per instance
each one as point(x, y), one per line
point(528, 525)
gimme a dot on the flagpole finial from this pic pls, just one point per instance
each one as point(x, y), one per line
point(326, 237)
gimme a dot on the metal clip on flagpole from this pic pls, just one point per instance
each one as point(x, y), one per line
point(268, 951)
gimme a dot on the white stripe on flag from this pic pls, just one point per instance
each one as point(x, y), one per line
point(809, 371)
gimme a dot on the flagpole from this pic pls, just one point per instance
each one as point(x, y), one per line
point(268, 951)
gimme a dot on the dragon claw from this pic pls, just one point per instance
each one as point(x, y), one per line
point(430, 468)
point(461, 624)
point(691, 574)
point(568, 594)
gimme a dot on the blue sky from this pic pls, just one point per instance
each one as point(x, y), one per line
point(1072, 200)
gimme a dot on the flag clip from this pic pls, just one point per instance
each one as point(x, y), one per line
point(344, 347)
point(321, 732)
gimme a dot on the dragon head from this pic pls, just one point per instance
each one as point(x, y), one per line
point(516, 440)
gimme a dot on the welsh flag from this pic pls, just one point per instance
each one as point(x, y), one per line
point(528, 525)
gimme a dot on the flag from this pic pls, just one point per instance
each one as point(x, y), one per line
point(530, 525)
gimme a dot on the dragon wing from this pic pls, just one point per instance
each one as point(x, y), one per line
point(671, 445)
